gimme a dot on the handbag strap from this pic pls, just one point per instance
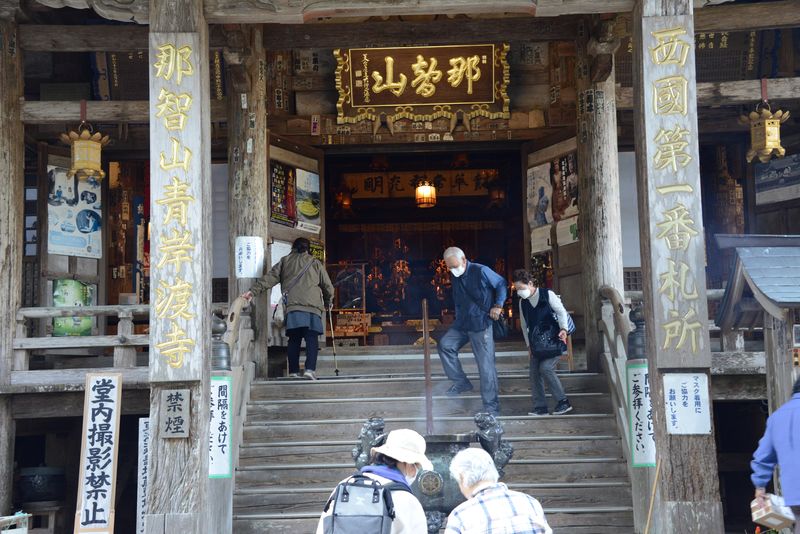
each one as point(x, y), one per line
point(293, 282)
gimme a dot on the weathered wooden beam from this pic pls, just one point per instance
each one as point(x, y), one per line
point(711, 94)
point(738, 363)
point(742, 17)
point(396, 33)
point(93, 38)
point(42, 405)
point(136, 111)
point(73, 342)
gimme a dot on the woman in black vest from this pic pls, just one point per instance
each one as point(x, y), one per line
point(544, 322)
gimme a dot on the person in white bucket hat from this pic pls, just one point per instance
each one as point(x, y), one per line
point(398, 460)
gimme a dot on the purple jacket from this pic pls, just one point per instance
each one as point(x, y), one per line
point(780, 446)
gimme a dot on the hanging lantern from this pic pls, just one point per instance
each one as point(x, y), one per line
point(765, 132)
point(425, 193)
point(86, 147)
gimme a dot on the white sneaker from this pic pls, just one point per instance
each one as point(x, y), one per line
point(293, 375)
point(310, 375)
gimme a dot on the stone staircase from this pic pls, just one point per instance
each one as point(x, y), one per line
point(298, 437)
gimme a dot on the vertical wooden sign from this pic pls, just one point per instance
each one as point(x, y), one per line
point(99, 446)
point(179, 263)
point(672, 228)
point(143, 458)
point(220, 456)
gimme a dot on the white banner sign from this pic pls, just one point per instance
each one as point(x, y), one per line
point(687, 405)
point(249, 257)
point(98, 471)
point(540, 239)
point(567, 231)
point(220, 457)
point(642, 438)
point(141, 484)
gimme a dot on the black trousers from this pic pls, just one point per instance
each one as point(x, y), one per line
point(296, 336)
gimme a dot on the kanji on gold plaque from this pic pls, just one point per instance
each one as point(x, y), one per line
point(671, 48)
point(175, 249)
point(382, 84)
point(174, 109)
point(464, 68)
point(173, 300)
point(172, 61)
point(427, 76)
point(675, 282)
point(670, 95)
point(176, 199)
point(672, 145)
point(677, 228)
point(176, 162)
point(176, 347)
point(681, 328)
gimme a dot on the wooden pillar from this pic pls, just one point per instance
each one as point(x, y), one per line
point(673, 254)
point(11, 213)
point(248, 183)
point(180, 272)
point(598, 174)
point(781, 374)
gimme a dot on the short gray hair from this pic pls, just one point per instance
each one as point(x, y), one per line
point(453, 251)
point(473, 465)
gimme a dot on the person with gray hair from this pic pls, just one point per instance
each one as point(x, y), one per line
point(490, 508)
point(479, 294)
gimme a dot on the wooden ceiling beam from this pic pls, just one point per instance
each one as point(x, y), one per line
point(48, 112)
point(712, 94)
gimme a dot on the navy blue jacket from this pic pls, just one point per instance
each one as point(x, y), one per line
point(478, 283)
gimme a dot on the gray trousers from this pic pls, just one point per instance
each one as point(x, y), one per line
point(483, 349)
point(796, 510)
point(542, 371)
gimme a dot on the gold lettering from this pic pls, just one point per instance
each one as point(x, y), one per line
point(173, 109)
point(675, 188)
point(177, 200)
point(175, 249)
point(172, 300)
point(396, 88)
point(677, 228)
point(671, 148)
point(177, 346)
point(674, 282)
point(176, 163)
point(171, 60)
point(464, 68)
point(681, 328)
point(427, 76)
point(670, 95)
point(670, 50)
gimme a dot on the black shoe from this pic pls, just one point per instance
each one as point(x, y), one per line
point(562, 407)
point(457, 389)
point(538, 411)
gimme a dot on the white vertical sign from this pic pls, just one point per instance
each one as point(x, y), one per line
point(249, 257)
point(143, 474)
point(220, 457)
point(642, 437)
point(99, 445)
point(686, 403)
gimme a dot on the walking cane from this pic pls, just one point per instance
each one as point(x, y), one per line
point(333, 341)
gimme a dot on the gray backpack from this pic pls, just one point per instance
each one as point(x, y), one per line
point(361, 505)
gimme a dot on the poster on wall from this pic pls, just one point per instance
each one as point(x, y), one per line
point(567, 231)
point(540, 193)
point(70, 293)
point(283, 209)
point(777, 180)
point(308, 201)
point(74, 215)
point(564, 176)
point(540, 239)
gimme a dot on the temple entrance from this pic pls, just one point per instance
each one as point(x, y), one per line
point(385, 237)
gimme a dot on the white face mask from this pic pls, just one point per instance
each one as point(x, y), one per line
point(458, 271)
point(524, 293)
point(410, 479)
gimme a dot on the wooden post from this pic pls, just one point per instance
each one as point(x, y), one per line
point(248, 183)
point(125, 356)
point(781, 374)
point(11, 210)
point(598, 174)
point(673, 253)
point(180, 272)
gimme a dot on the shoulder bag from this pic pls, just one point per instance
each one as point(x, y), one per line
point(279, 315)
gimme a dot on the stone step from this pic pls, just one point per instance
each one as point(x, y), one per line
point(562, 469)
point(443, 406)
point(580, 424)
point(510, 383)
point(573, 520)
point(299, 500)
point(525, 447)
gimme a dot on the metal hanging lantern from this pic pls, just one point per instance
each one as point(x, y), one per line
point(86, 146)
point(765, 132)
point(425, 193)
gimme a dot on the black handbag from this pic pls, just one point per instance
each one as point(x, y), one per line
point(545, 343)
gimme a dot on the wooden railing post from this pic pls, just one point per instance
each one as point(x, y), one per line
point(21, 360)
point(125, 356)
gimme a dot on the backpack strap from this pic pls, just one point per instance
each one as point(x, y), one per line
point(387, 496)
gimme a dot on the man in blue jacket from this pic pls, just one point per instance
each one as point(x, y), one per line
point(479, 294)
point(780, 446)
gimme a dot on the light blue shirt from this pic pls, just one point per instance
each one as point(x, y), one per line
point(780, 446)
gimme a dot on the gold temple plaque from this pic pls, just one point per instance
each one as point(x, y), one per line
point(422, 83)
